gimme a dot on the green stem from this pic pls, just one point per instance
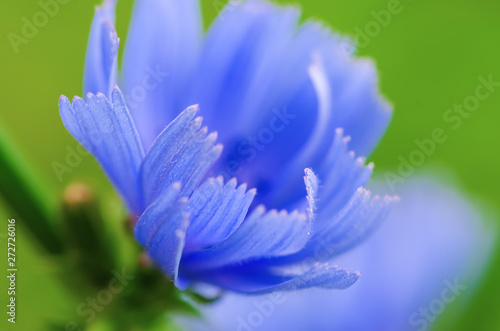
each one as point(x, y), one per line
point(23, 193)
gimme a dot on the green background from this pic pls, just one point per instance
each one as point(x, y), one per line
point(429, 58)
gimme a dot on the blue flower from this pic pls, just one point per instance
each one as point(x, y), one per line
point(428, 255)
point(283, 97)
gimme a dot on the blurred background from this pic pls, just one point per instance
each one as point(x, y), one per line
point(430, 55)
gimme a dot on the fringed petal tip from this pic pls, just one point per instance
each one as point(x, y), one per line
point(322, 275)
point(115, 93)
point(233, 183)
point(217, 211)
point(114, 40)
point(106, 129)
point(63, 99)
point(181, 139)
point(106, 5)
point(106, 12)
point(369, 66)
point(334, 277)
point(263, 235)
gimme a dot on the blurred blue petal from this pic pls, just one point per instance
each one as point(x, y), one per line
point(159, 61)
point(100, 73)
point(434, 242)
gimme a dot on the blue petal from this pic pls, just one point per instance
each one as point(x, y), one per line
point(312, 152)
point(258, 280)
point(216, 211)
point(338, 92)
point(353, 96)
point(344, 213)
point(349, 227)
point(240, 49)
point(250, 91)
point(342, 174)
point(181, 153)
point(236, 79)
point(149, 223)
point(365, 114)
point(306, 155)
point(159, 60)
point(102, 51)
point(321, 275)
point(312, 184)
point(162, 228)
point(108, 132)
point(262, 235)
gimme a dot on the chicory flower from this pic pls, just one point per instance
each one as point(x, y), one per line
point(282, 96)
